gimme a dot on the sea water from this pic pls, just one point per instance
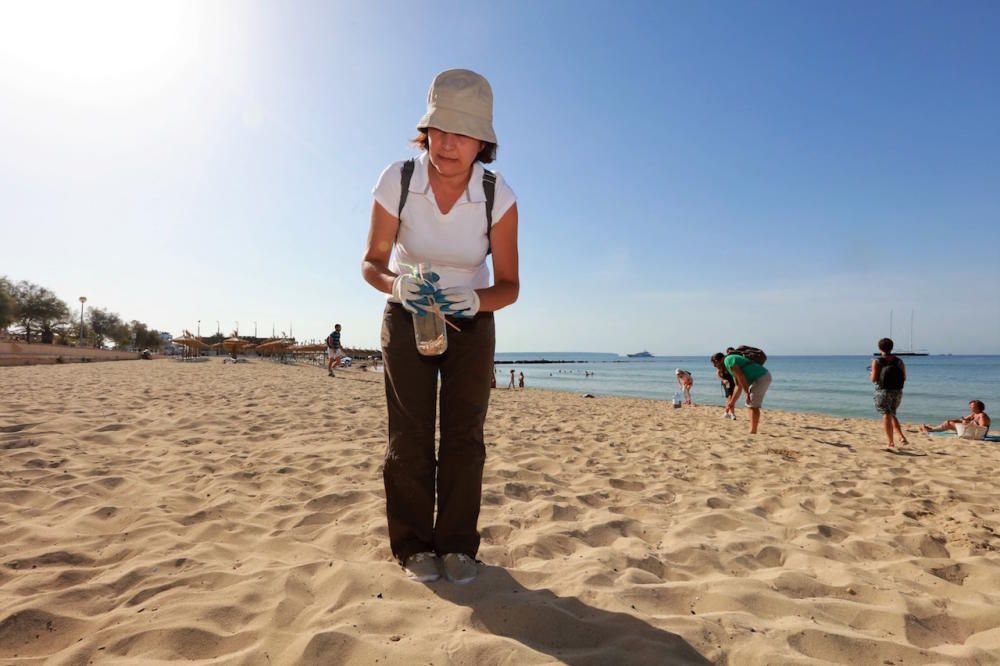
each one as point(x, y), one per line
point(937, 387)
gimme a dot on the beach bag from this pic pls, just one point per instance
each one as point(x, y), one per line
point(890, 375)
point(752, 353)
point(489, 189)
point(971, 431)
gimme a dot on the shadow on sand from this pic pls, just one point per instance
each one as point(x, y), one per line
point(564, 627)
point(840, 445)
point(905, 452)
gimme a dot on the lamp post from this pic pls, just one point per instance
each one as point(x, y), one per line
point(218, 327)
point(237, 329)
point(255, 329)
point(83, 299)
point(199, 328)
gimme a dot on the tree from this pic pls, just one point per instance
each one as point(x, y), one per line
point(144, 338)
point(37, 307)
point(108, 325)
point(8, 306)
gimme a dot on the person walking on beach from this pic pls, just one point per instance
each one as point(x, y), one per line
point(751, 378)
point(511, 384)
point(889, 375)
point(977, 416)
point(520, 380)
point(334, 351)
point(685, 381)
point(445, 209)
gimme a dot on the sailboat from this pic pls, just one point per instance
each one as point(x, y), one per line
point(909, 352)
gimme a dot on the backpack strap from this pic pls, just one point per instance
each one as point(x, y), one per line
point(405, 176)
point(489, 189)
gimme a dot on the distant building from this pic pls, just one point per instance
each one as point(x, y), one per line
point(167, 344)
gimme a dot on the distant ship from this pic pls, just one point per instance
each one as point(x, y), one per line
point(642, 354)
point(908, 352)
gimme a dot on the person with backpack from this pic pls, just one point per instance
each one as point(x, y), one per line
point(444, 209)
point(889, 375)
point(746, 366)
point(334, 350)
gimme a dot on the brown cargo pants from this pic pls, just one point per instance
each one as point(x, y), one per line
point(411, 473)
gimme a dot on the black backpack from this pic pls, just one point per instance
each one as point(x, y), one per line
point(489, 189)
point(752, 354)
point(890, 375)
point(329, 341)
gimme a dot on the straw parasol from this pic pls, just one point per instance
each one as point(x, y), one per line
point(279, 346)
point(235, 344)
point(189, 342)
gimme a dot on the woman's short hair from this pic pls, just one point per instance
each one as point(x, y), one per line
point(979, 404)
point(717, 358)
point(885, 345)
point(486, 155)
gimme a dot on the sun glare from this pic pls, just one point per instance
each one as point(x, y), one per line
point(97, 42)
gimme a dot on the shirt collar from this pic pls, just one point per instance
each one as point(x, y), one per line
point(421, 184)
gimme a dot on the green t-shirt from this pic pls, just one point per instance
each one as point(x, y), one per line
point(752, 371)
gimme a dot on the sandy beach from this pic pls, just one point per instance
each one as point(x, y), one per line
point(155, 512)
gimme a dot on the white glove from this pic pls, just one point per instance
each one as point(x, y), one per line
point(458, 301)
point(414, 294)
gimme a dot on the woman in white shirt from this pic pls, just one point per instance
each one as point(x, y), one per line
point(441, 219)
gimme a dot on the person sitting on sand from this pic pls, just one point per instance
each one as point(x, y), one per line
point(976, 415)
point(889, 374)
point(685, 381)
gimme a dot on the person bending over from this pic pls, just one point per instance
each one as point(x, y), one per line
point(751, 378)
point(685, 381)
point(442, 208)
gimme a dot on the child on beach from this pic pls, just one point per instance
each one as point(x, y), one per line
point(685, 381)
point(976, 416)
point(889, 374)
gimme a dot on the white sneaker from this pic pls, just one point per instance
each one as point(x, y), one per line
point(422, 567)
point(460, 568)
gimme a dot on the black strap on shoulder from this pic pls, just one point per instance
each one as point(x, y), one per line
point(489, 189)
point(405, 175)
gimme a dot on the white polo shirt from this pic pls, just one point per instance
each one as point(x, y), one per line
point(455, 243)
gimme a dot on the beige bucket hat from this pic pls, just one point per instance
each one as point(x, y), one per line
point(461, 102)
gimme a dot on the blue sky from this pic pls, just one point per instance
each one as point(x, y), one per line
point(690, 175)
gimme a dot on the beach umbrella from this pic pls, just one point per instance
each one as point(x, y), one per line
point(274, 346)
point(235, 345)
point(190, 341)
